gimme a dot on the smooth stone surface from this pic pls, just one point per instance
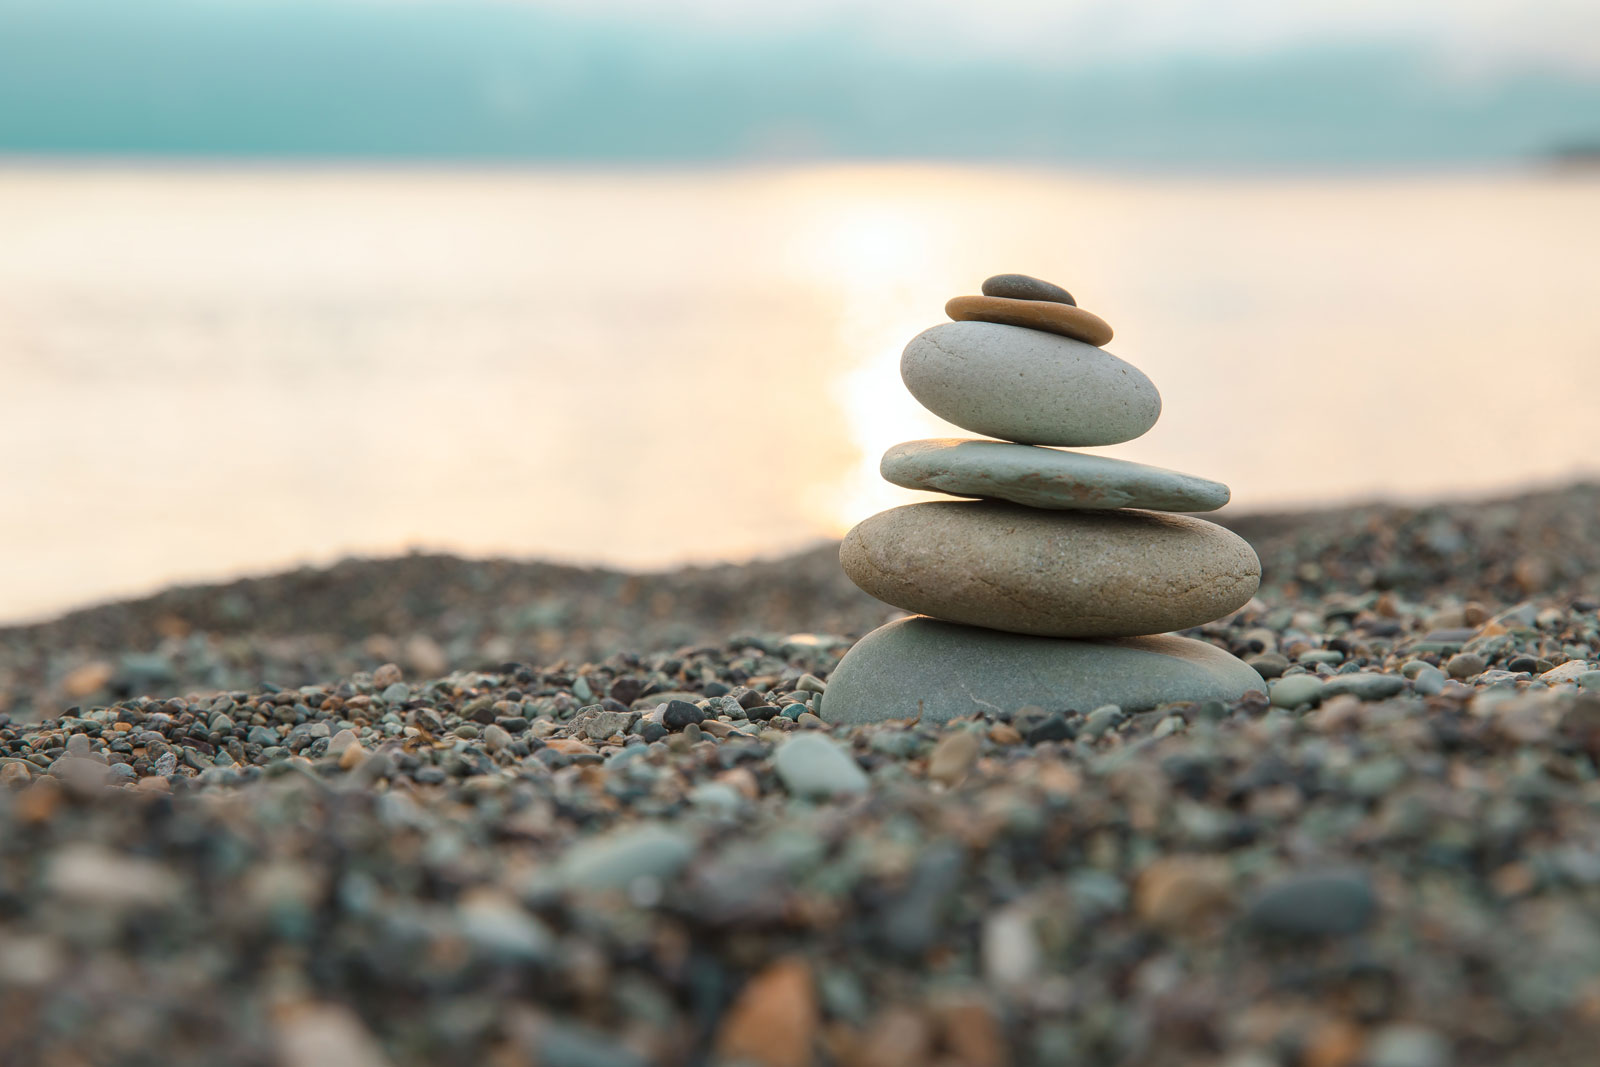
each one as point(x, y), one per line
point(1027, 386)
point(1569, 671)
point(1026, 287)
point(812, 765)
point(616, 860)
point(1296, 690)
point(1045, 477)
point(1367, 685)
point(1326, 904)
point(1429, 680)
point(941, 671)
point(1051, 573)
point(1064, 319)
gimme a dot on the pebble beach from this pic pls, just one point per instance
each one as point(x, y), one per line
point(438, 811)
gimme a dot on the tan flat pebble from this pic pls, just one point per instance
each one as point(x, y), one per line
point(773, 1023)
point(953, 757)
point(1004, 734)
point(88, 679)
point(899, 1037)
point(743, 781)
point(1047, 315)
point(971, 1031)
point(1175, 892)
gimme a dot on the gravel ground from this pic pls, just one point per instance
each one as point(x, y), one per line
point(1387, 858)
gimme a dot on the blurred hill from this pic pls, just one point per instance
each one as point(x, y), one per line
point(483, 81)
point(433, 613)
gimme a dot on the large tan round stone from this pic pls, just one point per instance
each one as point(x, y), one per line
point(1055, 574)
point(1027, 386)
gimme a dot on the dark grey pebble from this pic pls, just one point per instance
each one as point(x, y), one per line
point(626, 690)
point(1050, 728)
point(1325, 904)
point(1026, 287)
point(652, 731)
point(915, 920)
point(761, 712)
point(748, 698)
point(1269, 664)
point(681, 713)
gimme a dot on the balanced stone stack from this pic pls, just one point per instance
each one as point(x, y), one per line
point(1058, 585)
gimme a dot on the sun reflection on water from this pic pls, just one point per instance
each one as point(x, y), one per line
point(645, 369)
point(883, 257)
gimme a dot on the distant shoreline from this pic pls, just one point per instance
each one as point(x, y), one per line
point(402, 164)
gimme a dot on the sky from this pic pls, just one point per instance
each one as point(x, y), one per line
point(1476, 35)
point(1141, 83)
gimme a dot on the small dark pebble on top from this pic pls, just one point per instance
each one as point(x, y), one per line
point(1025, 287)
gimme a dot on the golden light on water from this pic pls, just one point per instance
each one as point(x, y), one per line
point(238, 371)
point(881, 259)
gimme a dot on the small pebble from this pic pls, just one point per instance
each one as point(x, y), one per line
point(1296, 690)
point(679, 714)
point(1328, 904)
point(813, 765)
point(953, 757)
point(1025, 287)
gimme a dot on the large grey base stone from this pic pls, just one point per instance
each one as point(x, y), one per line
point(942, 670)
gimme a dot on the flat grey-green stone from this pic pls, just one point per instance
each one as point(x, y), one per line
point(1026, 287)
point(1368, 685)
point(943, 670)
point(1045, 477)
point(616, 860)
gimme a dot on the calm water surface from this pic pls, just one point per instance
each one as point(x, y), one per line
point(213, 372)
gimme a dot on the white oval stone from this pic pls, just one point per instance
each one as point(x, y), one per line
point(1052, 573)
point(1045, 477)
point(1028, 386)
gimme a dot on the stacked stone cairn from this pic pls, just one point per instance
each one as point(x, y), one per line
point(1057, 586)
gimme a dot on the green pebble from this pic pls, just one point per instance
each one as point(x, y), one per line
point(1364, 684)
point(1296, 690)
